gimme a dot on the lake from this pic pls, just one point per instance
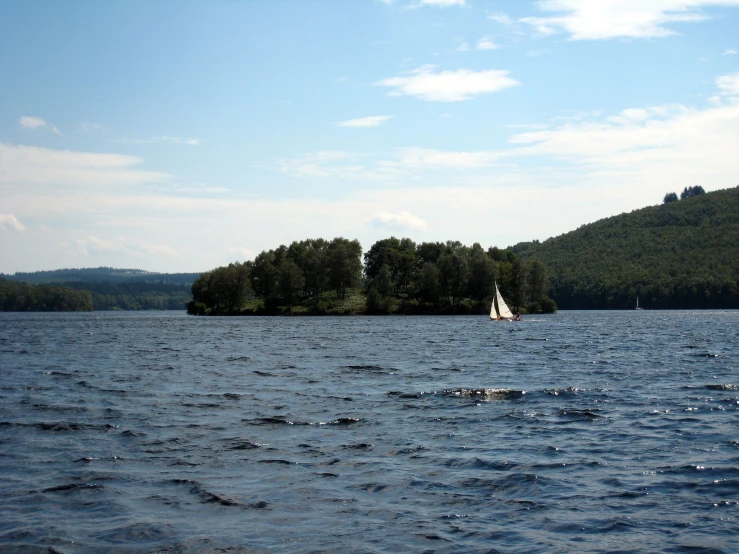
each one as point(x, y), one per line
point(575, 432)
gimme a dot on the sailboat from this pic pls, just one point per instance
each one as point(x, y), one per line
point(502, 313)
point(637, 304)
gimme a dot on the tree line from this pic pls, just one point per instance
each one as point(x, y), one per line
point(23, 297)
point(686, 193)
point(136, 295)
point(76, 296)
point(397, 276)
point(100, 275)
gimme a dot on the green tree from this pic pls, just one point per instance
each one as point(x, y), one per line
point(670, 197)
point(221, 290)
point(453, 274)
point(264, 275)
point(311, 257)
point(428, 285)
point(23, 297)
point(344, 265)
point(380, 290)
point(430, 252)
point(537, 279)
point(399, 256)
point(291, 282)
point(692, 191)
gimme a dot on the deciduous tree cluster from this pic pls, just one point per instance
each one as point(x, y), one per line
point(401, 275)
point(397, 276)
point(283, 276)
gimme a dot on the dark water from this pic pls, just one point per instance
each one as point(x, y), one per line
point(578, 432)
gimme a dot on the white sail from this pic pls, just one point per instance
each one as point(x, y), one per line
point(502, 307)
point(493, 312)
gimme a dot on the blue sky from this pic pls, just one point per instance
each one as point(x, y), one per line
point(179, 136)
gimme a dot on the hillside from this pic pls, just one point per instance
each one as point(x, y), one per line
point(102, 275)
point(109, 288)
point(22, 297)
point(682, 254)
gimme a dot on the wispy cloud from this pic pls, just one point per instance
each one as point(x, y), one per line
point(405, 162)
point(329, 163)
point(442, 3)
point(9, 221)
point(636, 141)
point(448, 86)
point(95, 247)
point(371, 121)
point(729, 52)
point(486, 44)
point(606, 19)
point(501, 17)
point(88, 127)
point(164, 138)
point(649, 146)
point(728, 84)
point(47, 168)
point(32, 123)
point(398, 221)
point(427, 158)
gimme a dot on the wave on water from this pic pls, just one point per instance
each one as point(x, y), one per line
point(485, 394)
point(159, 433)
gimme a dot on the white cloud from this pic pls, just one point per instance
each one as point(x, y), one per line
point(29, 122)
point(406, 162)
point(501, 17)
point(121, 246)
point(398, 221)
point(630, 115)
point(729, 52)
point(9, 221)
point(32, 123)
point(448, 86)
point(605, 19)
point(87, 127)
point(673, 147)
point(164, 138)
point(486, 44)
point(442, 3)
point(371, 121)
point(158, 250)
point(51, 168)
point(329, 163)
point(426, 158)
point(729, 84)
point(638, 150)
point(243, 253)
point(95, 246)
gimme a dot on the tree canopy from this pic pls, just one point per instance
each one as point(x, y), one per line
point(23, 297)
point(676, 255)
point(398, 276)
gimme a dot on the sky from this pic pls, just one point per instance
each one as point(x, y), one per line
point(178, 136)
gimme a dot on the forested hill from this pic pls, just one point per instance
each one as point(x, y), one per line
point(107, 287)
point(102, 275)
point(681, 254)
